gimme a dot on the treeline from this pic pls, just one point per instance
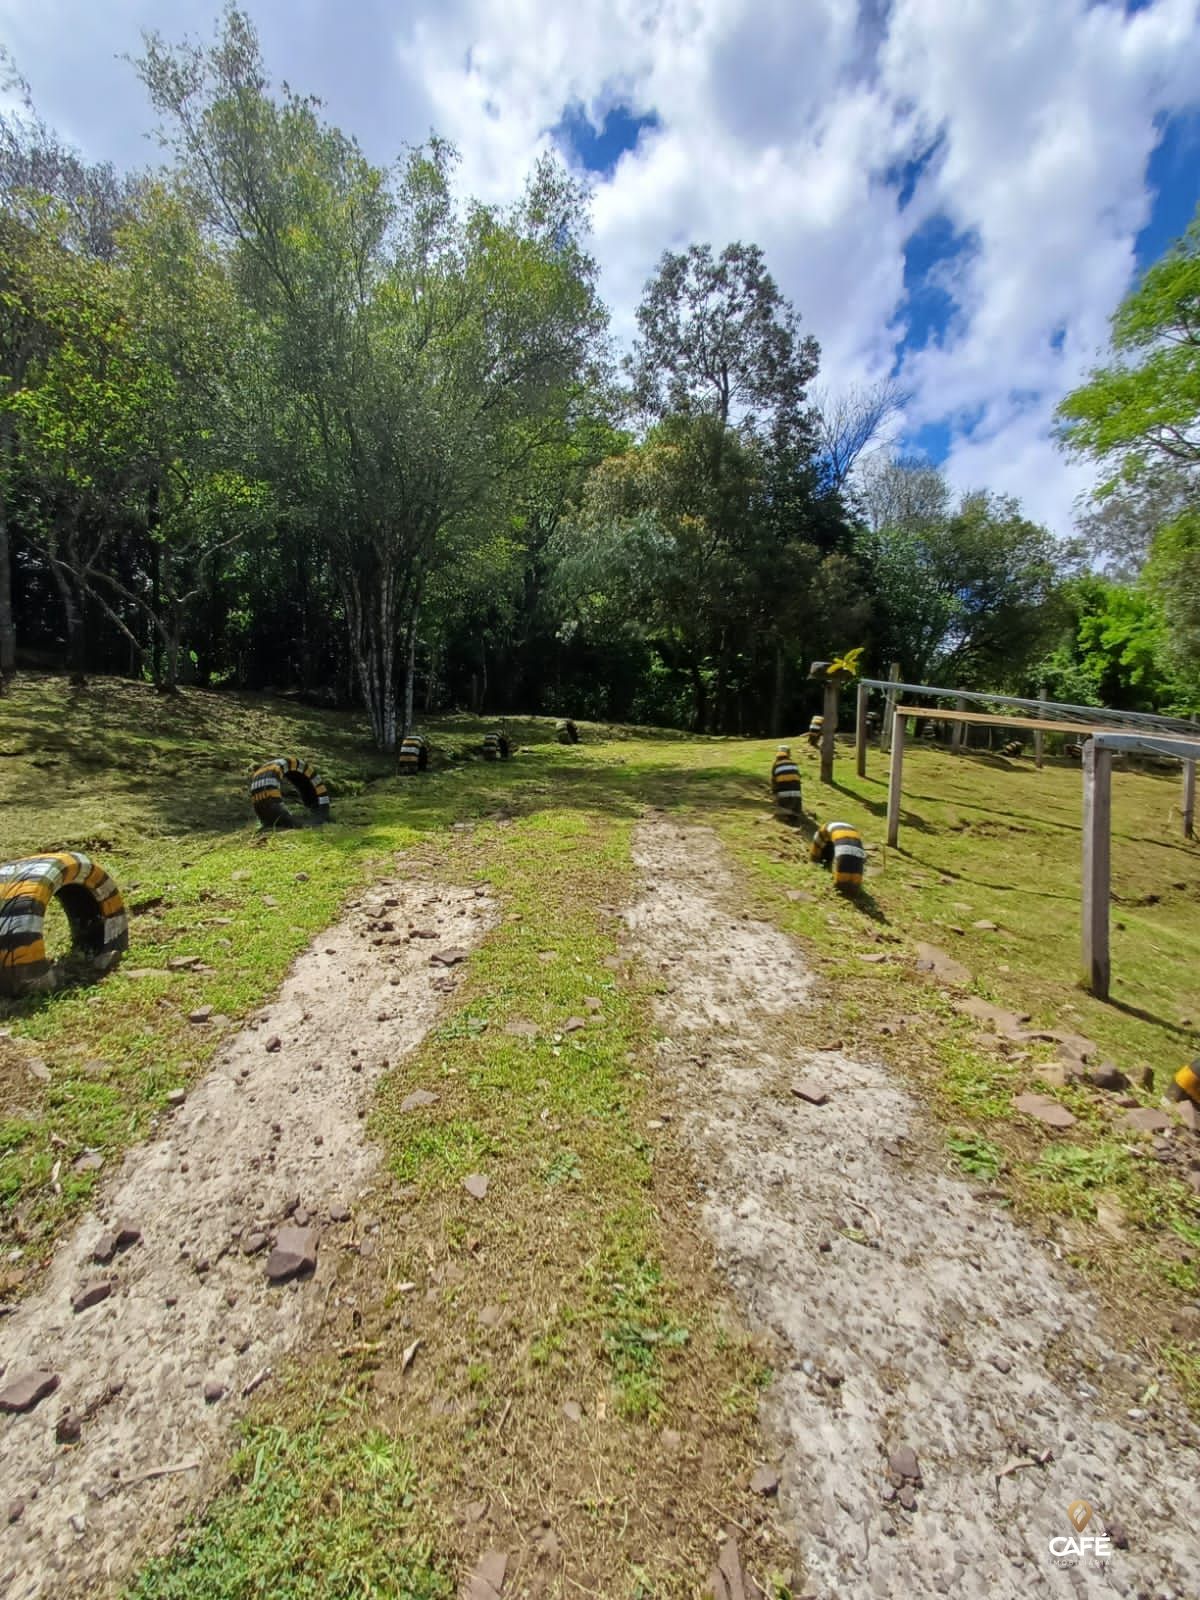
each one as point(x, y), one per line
point(275, 417)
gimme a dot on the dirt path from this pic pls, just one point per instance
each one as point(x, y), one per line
point(192, 1323)
point(915, 1314)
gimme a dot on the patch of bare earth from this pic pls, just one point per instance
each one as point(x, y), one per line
point(952, 1389)
point(152, 1377)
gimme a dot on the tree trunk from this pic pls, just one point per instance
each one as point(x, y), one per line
point(410, 672)
point(8, 633)
point(778, 691)
point(72, 612)
point(699, 698)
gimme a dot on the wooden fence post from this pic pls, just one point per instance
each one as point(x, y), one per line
point(1189, 799)
point(828, 729)
point(895, 779)
point(1038, 736)
point(889, 708)
point(958, 734)
point(1097, 854)
point(860, 731)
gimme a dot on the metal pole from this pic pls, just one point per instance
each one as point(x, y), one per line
point(1097, 861)
point(895, 779)
point(828, 729)
point(860, 730)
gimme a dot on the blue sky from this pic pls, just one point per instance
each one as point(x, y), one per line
point(955, 191)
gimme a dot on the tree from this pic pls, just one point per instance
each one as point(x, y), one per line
point(718, 338)
point(970, 596)
point(411, 341)
point(1113, 650)
point(852, 425)
point(1143, 409)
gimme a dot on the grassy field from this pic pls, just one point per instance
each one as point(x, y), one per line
point(605, 1301)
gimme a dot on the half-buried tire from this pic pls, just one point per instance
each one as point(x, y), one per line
point(414, 755)
point(566, 732)
point(94, 908)
point(495, 747)
point(266, 792)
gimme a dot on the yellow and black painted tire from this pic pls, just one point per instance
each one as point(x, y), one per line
point(414, 755)
point(566, 732)
point(94, 908)
point(266, 792)
point(495, 747)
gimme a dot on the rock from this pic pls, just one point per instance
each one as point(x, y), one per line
point(985, 926)
point(765, 1481)
point(214, 1390)
point(295, 1252)
point(419, 1097)
point(68, 1428)
point(182, 963)
point(1006, 1023)
point(176, 1097)
point(573, 1024)
point(593, 1002)
point(1107, 1076)
point(1044, 1109)
point(447, 958)
point(300, 1218)
point(874, 958)
point(725, 1581)
point(1002, 1363)
point(521, 1029)
point(16, 1510)
point(907, 1497)
point(903, 1462)
point(887, 1494)
point(39, 1070)
point(799, 896)
point(128, 1234)
point(339, 1213)
point(487, 1580)
point(1145, 1119)
point(810, 1091)
point(106, 1249)
point(670, 1439)
point(89, 1161)
point(1188, 1113)
point(24, 1392)
point(253, 1243)
point(201, 1014)
point(476, 1184)
point(942, 965)
point(573, 1411)
point(273, 1043)
point(1116, 1532)
point(489, 1317)
point(91, 1294)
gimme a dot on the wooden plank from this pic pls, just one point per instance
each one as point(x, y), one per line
point(1189, 799)
point(895, 780)
point(860, 730)
point(889, 708)
point(1097, 853)
point(980, 718)
point(829, 712)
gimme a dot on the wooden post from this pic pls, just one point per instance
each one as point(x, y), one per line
point(1097, 853)
point(959, 731)
point(1038, 735)
point(828, 729)
point(860, 731)
point(895, 778)
point(889, 708)
point(1189, 799)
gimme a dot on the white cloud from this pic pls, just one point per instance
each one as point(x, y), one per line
point(778, 122)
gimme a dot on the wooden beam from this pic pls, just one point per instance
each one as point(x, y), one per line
point(829, 728)
point(981, 718)
point(1039, 739)
point(1097, 853)
point(1189, 799)
point(860, 730)
point(895, 780)
point(889, 708)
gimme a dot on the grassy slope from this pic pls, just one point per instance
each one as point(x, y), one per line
point(586, 1244)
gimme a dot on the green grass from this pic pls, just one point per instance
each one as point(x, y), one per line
point(328, 1511)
